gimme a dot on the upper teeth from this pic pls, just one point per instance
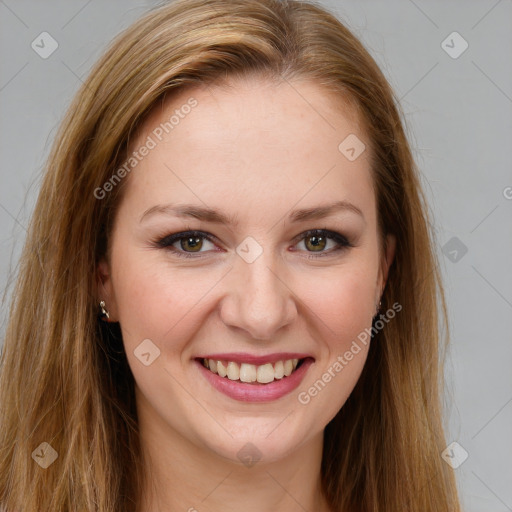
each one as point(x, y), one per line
point(263, 374)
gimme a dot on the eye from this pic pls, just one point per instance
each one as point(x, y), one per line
point(189, 242)
point(316, 240)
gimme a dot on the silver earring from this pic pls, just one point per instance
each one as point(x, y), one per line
point(103, 310)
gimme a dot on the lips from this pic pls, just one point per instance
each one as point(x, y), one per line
point(247, 377)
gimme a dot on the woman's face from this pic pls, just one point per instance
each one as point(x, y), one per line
point(253, 168)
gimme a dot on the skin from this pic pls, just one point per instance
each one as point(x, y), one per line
point(255, 150)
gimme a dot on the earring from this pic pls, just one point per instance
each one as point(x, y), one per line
point(377, 310)
point(104, 312)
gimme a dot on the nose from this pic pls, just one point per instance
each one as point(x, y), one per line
point(258, 299)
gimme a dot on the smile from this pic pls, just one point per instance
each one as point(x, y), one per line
point(248, 373)
point(250, 378)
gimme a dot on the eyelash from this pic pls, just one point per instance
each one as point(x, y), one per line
point(167, 241)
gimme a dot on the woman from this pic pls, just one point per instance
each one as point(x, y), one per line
point(294, 363)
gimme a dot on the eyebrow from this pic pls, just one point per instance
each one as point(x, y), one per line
point(218, 217)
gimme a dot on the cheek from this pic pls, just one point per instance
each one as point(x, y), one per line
point(157, 300)
point(342, 300)
point(342, 304)
point(343, 307)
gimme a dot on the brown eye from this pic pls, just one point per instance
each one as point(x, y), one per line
point(187, 243)
point(316, 243)
point(323, 242)
point(193, 243)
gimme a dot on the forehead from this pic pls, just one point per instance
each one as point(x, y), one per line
point(253, 105)
point(250, 142)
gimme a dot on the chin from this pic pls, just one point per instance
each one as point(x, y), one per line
point(252, 440)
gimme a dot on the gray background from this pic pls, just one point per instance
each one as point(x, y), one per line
point(459, 116)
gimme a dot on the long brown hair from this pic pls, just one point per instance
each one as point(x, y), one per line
point(64, 376)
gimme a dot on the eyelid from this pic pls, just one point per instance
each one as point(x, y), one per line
point(333, 235)
point(167, 241)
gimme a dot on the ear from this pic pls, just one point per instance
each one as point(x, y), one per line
point(105, 290)
point(387, 259)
